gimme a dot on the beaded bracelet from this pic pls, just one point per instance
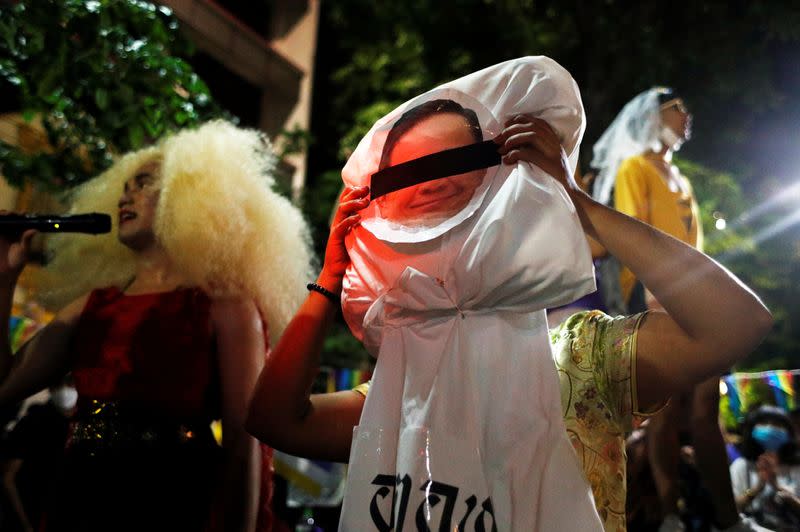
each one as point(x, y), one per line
point(324, 291)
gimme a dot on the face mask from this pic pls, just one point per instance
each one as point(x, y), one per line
point(670, 139)
point(64, 398)
point(769, 437)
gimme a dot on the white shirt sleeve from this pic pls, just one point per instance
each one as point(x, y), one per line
point(740, 477)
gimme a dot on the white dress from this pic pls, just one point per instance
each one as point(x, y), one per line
point(462, 427)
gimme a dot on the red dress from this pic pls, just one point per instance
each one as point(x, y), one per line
point(141, 455)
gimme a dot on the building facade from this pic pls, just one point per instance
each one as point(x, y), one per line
point(257, 58)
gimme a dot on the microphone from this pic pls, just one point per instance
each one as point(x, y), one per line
point(93, 224)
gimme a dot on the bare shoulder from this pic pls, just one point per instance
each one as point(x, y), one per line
point(233, 312)
point(235, 306)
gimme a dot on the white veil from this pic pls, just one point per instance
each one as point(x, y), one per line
point(635, 130)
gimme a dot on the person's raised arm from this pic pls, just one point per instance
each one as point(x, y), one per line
point(710, 320)
point(45, 358)
point(282, 412)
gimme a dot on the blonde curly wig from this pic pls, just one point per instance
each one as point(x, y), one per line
point(218, 219)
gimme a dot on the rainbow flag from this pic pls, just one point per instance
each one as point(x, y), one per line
point(786, 382)
point(777, 390)
point(743, 395)
point(338, 379)
point(734, 401)
point(20, 330)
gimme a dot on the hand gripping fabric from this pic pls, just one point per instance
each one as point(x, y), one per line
point(462, 426)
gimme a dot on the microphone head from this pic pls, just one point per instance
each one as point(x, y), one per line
point(101, 223)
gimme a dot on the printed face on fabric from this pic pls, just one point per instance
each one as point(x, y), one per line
point(437, 200)
point(446, 288)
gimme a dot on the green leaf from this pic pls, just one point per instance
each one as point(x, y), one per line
point(182, 117)
point(101, 98)
point(135, 136)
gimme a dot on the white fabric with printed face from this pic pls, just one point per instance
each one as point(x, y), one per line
point(447, 288)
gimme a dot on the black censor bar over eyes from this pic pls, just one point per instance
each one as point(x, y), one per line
point(445, 163)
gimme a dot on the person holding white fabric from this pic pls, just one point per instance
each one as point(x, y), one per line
point(636, 174)
point(447, 288)
point(610, 369)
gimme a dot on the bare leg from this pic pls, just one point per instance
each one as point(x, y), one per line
point(712, 459)
point(663, 452)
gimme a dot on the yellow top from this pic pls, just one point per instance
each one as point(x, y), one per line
point(362, 388)
point(640, 191)
point(595, 355)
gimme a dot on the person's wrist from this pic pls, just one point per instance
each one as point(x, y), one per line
point(577, 194)
point(330, 281)
point(586, 208)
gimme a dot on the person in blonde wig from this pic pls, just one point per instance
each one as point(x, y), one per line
point(217, 217)
point(167, 329)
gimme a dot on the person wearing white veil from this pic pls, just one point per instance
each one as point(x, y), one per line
point(636, 175)
point(447, 289)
